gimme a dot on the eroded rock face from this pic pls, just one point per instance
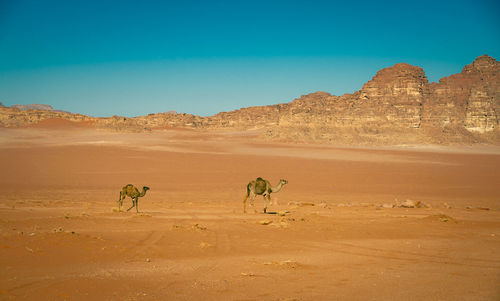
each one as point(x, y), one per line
point(14, 117)
point(483, 103)
point(397, 106)
point(469, 99)
point(395, 96)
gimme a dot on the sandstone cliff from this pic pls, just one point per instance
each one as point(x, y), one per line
point(398, 105)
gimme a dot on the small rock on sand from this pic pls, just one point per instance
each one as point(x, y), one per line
point(265, 222)
point(411, 204)
point(199, 227)
point(445, 218)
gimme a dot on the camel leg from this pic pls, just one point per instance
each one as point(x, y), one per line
point(133, 204)
point(120, 202)
point(245, 204)
point(252, 203)
point(137, 204)
point(123, 198)
point(265, 203)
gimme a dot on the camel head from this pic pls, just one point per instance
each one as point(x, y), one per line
point(283, 182)
point(144, 190)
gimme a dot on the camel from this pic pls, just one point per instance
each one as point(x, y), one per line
point(132, 192)
point(264, 188)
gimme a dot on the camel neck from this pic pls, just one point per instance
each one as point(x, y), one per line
point(277, 188)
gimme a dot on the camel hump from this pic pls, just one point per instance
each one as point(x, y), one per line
point(260, 181)
point(260, 186)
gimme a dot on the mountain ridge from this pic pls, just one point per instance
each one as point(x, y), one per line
point(398, 105)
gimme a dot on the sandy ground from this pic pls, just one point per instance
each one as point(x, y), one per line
point(62, 238)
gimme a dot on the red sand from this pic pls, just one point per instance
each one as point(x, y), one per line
point(61, 238)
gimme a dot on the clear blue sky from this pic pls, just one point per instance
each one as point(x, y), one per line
point(132, 58)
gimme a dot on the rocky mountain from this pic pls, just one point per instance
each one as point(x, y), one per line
point(398, 105)
point(34, 106)
point(37, 106)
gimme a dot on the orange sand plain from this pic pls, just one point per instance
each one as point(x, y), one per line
point(63, 239)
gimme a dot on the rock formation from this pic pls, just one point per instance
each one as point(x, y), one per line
point(37, 106)
point(398, 105)
point(34, 106)
point(470, 99)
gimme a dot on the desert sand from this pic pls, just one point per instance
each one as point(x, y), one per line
point(333, 236)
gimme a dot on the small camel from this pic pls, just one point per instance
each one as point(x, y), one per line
point(132, 192)
point(264, 188)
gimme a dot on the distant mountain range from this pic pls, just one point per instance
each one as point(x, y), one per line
point(397, 106)
point(36, 106)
